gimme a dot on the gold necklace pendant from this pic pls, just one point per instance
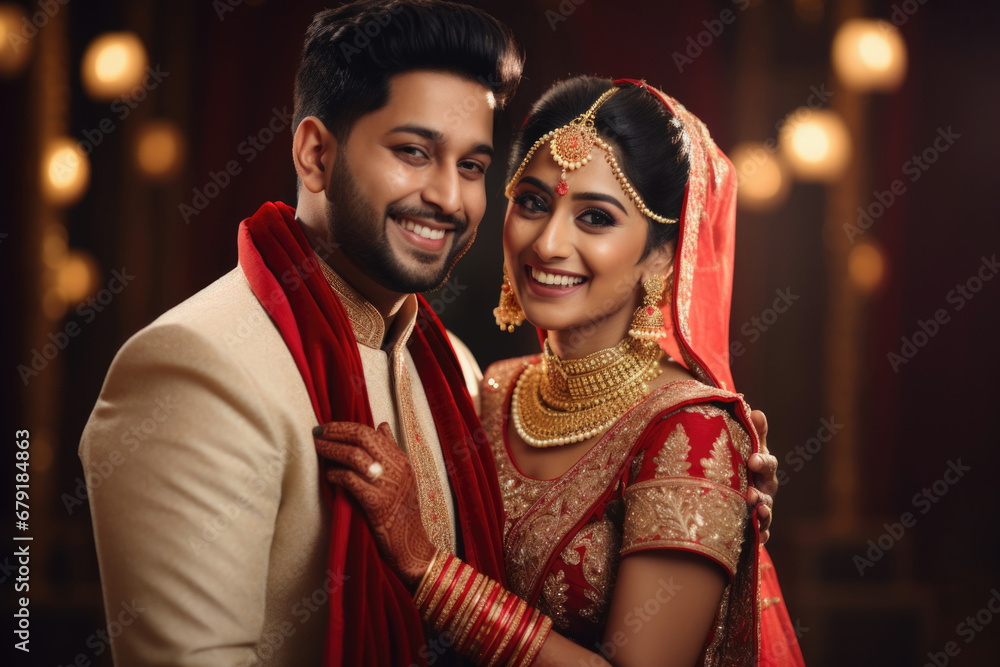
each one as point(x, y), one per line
point(558, 402)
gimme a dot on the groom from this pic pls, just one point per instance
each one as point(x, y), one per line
point(220, 526)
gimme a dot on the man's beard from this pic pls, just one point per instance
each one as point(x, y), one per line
point(361, 233)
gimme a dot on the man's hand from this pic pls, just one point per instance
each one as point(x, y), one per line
point(764, 467)
point(371, 467)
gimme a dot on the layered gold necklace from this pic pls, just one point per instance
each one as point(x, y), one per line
point(558, 402)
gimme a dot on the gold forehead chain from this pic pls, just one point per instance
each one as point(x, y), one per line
point(571, 147)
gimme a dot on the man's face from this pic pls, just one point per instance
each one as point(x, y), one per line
point(407, 189)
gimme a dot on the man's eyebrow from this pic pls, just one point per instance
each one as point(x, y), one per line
point(438, 138)
point(421, 131)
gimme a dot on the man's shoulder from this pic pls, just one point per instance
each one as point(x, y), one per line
point(223, 325)
point(217, 307)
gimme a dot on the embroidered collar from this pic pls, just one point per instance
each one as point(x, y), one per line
point(366, 321)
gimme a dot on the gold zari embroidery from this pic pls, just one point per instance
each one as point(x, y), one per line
point(686, 513)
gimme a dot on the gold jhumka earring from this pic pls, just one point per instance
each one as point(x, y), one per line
point(647, 322)
point(509, 313)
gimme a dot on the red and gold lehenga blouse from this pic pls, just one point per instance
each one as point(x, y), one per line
point(669, 474)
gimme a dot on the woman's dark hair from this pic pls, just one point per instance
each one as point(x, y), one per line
point(351, 52)
point(646, 138)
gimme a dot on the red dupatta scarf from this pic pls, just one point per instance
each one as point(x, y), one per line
point(698, 316)
point(372, 618)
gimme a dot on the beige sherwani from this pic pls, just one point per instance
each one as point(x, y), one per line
point(205, 491)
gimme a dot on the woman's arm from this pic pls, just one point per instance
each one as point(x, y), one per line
point(664, 601)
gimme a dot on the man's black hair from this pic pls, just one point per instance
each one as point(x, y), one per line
point(351, 52)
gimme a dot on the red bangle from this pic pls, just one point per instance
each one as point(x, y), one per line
point(430, 601)
point(447, 594)
point(498, 630)
point(507, 637)
point(489, 622)
point(515, 639)
point(481, 618)
point(461, 596)
point(524, 646)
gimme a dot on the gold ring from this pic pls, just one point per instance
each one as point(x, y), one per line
point(375, 471)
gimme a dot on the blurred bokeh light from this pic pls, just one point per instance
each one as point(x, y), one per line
point(15, 45)
point(816, 144)
point(159, 150)
point(65, 172)
point(763, 179)
point(869, 55)
point(113, 65)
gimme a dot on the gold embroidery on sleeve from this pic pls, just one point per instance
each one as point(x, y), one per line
point(686, 513)
point(718, 465)
point(672, 461)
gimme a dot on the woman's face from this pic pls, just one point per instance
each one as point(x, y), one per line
point(574, 260)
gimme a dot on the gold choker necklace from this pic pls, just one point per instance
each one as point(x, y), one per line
point(558, 401)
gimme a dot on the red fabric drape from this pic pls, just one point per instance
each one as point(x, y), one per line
point(372, 618)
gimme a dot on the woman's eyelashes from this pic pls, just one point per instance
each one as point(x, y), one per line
point(531, 203)
point(598, 218)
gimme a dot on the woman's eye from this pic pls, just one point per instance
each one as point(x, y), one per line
point(597, 218)
point(530, 202)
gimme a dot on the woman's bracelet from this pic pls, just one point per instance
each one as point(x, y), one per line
point(487, 623)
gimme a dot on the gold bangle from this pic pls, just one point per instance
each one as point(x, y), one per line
point(523, 638)
point(491, 619)
point(446, 578)
point(463, 579)
point(512, 627)
point(423, 581)
point(497, 628)
point(460, 626)
point(478, 610)
point(536, 645)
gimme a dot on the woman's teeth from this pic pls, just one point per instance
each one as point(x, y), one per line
point(420, 230)
point(556, 280)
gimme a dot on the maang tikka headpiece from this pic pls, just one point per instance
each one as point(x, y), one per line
point(571, 147)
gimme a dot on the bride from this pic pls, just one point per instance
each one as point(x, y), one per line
point(621, 450)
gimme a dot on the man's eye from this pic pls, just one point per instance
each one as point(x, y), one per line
point(411, 151)
point(472, 165)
